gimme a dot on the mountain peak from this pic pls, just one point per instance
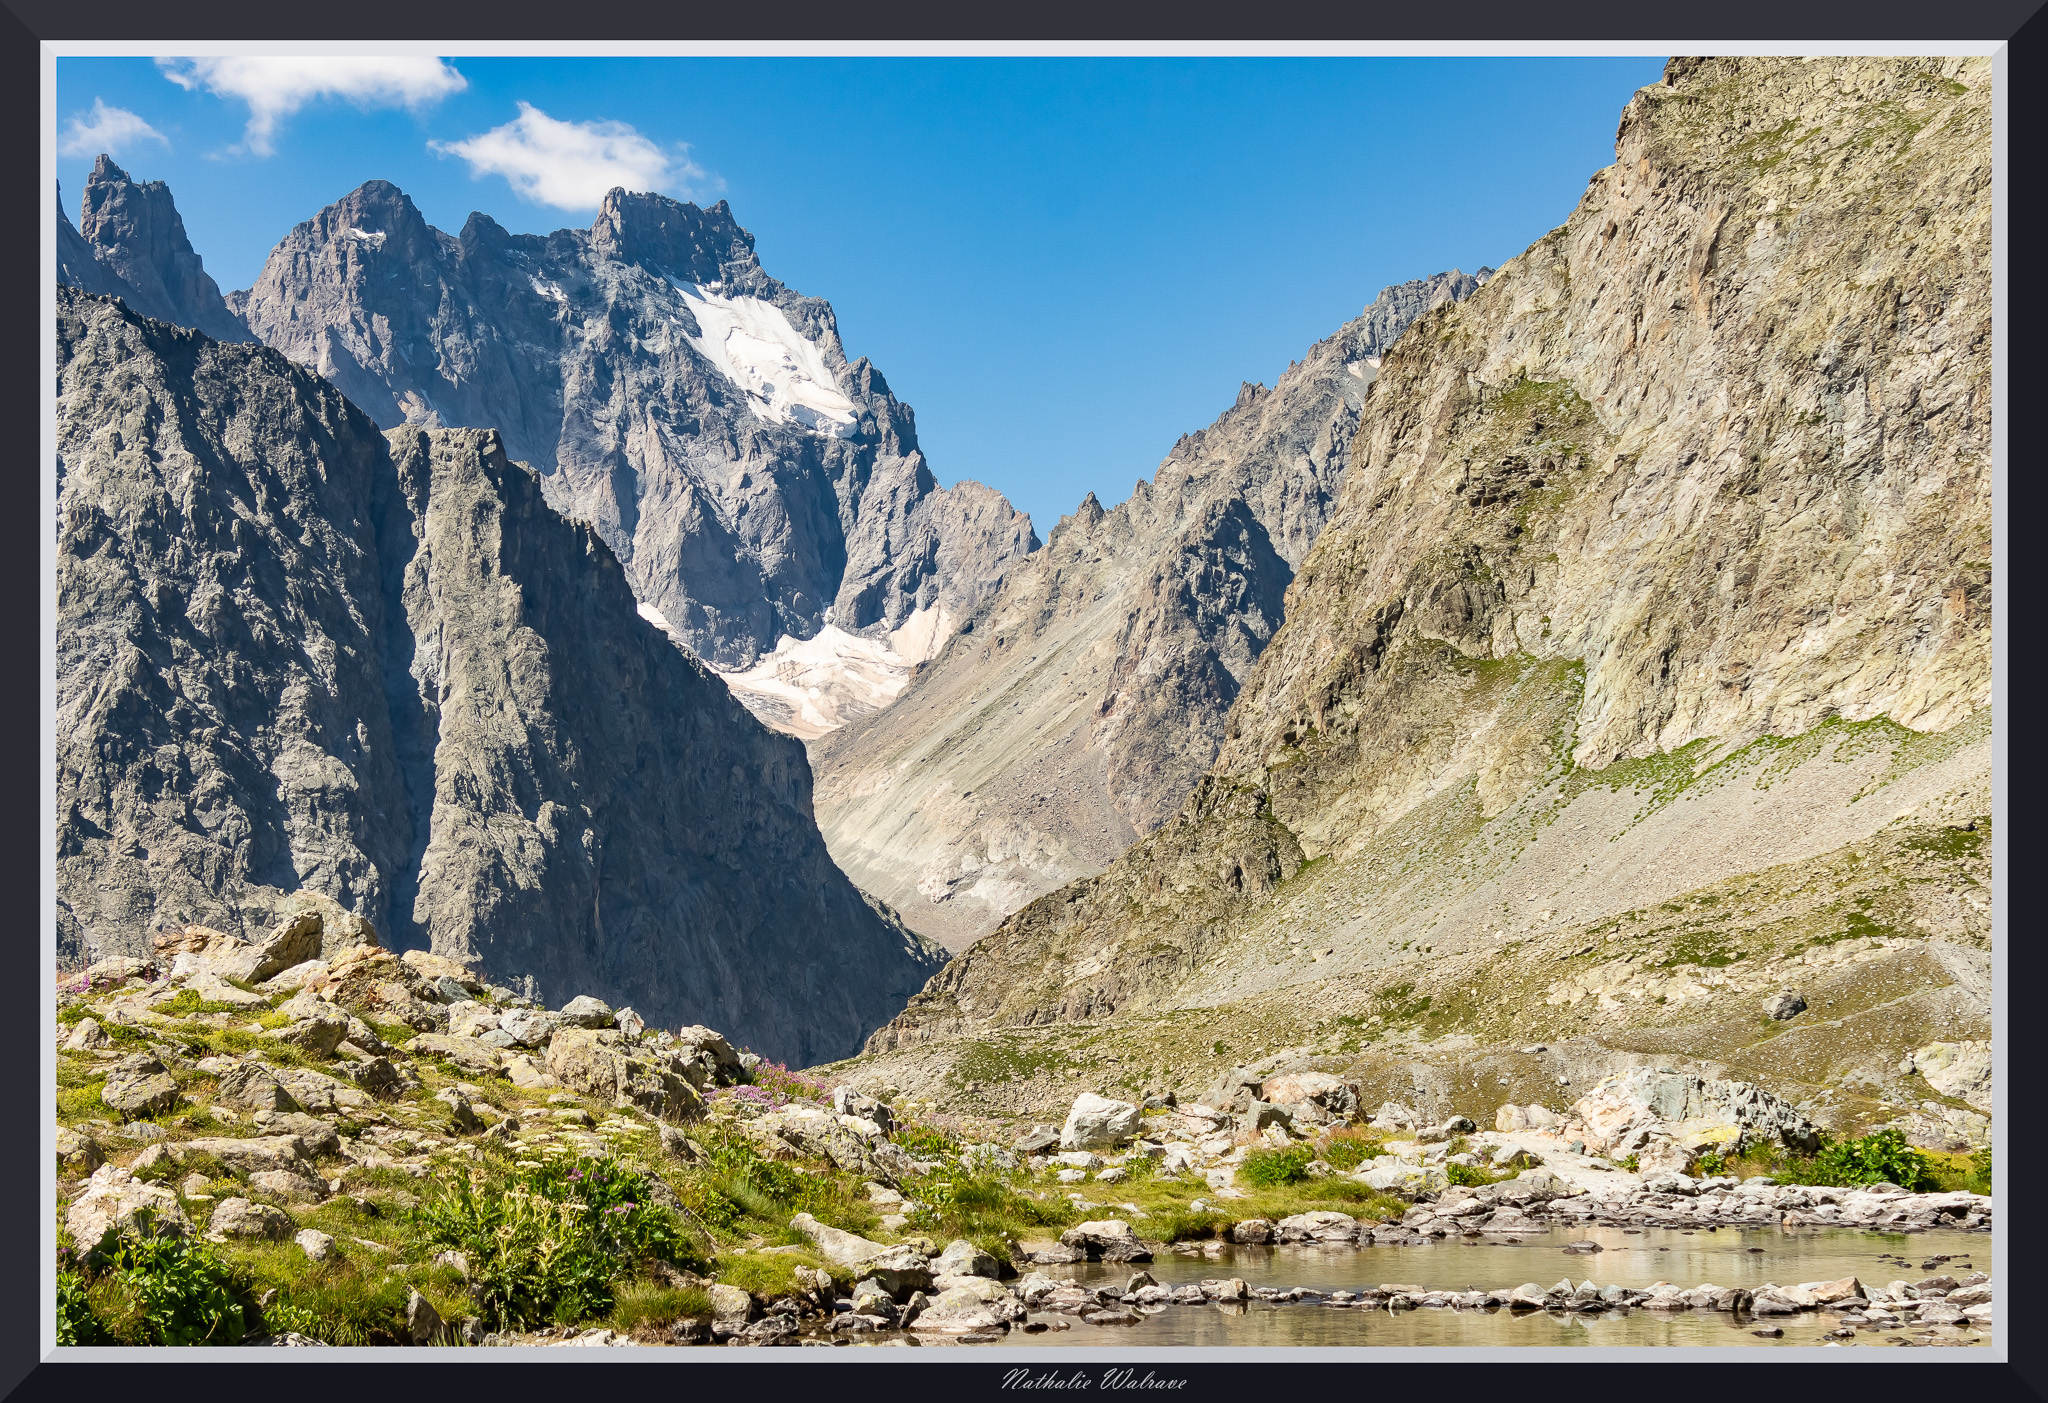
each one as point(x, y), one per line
point(691, 243)
point(133, 229)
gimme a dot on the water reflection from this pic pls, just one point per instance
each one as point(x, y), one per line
point(1727, 1257)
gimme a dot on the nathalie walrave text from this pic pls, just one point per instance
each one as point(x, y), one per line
point(1078, 1379)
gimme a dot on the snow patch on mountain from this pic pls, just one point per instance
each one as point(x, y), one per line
point(781, 370)
point(810, 686)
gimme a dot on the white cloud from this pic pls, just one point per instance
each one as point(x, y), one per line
point(275, 88)
point(571, 165)
point(108, 129)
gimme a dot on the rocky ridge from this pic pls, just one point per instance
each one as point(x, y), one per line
point(1074, 710)
point(1579, 652)
point(295, 654)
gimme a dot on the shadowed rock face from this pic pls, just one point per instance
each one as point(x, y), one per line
point(1078, 707)
point(700, 415)
point(292, 655)
point(134, 230)
point(1705, 468)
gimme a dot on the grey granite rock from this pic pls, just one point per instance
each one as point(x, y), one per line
point(295, 654)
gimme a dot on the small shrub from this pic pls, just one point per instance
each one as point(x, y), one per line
point(1880, 1157)
point(1472, 1176)
point(161, 1291)
point(1979, 1181)
point(1347, 1149)
point(76, 1323)
point(1272, 1169)
point(546, 1243)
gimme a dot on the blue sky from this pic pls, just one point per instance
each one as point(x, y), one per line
point(1061, 265)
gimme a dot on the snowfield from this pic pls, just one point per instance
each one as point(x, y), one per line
point(782, 372)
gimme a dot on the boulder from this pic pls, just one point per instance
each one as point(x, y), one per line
point(114, 1200)
point(1392, 1115)
point(902, 1271)
point(76, 1153)
point(1457, 1125)
point(583, 1060)
point(428, 970)
point(1823, 1293)
point(721, 1063)
point(1037, 1140)
point(469, 1019)
point(963, 1258)
point(290, 1186)
point(423, 1324)
point(855, 1145)
point(529, 1027)
point(583, 1011)
point(377, 1077)
point(238, 1217)
point(1252, 1230)
point(1322, 1226)
point(1403, 1178)
point(835, 1244)
point(139, 1086)
point(317, 1245)
point(319, 1093)
point(1315, 1098)
point(317, 1036)
point(295, 978)
point(1098, 1121)
point(1958, 1069)
point(251, 1086)
point(340, 929)
point(85, 1035)
point(1511, 1118)
point(1264, 1115)
point(1620, 1114)
point(848, 1102)
point(1784, 1005)
point(466, 1053)
point(462, 1116)
point(960, 1310)
point(1106, 1240)
point(250, 1155)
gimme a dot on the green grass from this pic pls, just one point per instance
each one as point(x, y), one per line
point(650, 1304)
point(772, 1274)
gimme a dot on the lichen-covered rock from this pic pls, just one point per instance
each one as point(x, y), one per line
point(139, 1086)
point(76, 1154)
point(1106, 1240)
point(252, 1086)
point(115, 1200)
point(1313, 1097)
point(582, 1060)
point(1625, 1113)
point(1098, 1121)
point(1958, 1069)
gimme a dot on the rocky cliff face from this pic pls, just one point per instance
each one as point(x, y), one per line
point(1078, 707)
point(134, 230)
point(703, 417)
point(1658, 587)
point(292, 655)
